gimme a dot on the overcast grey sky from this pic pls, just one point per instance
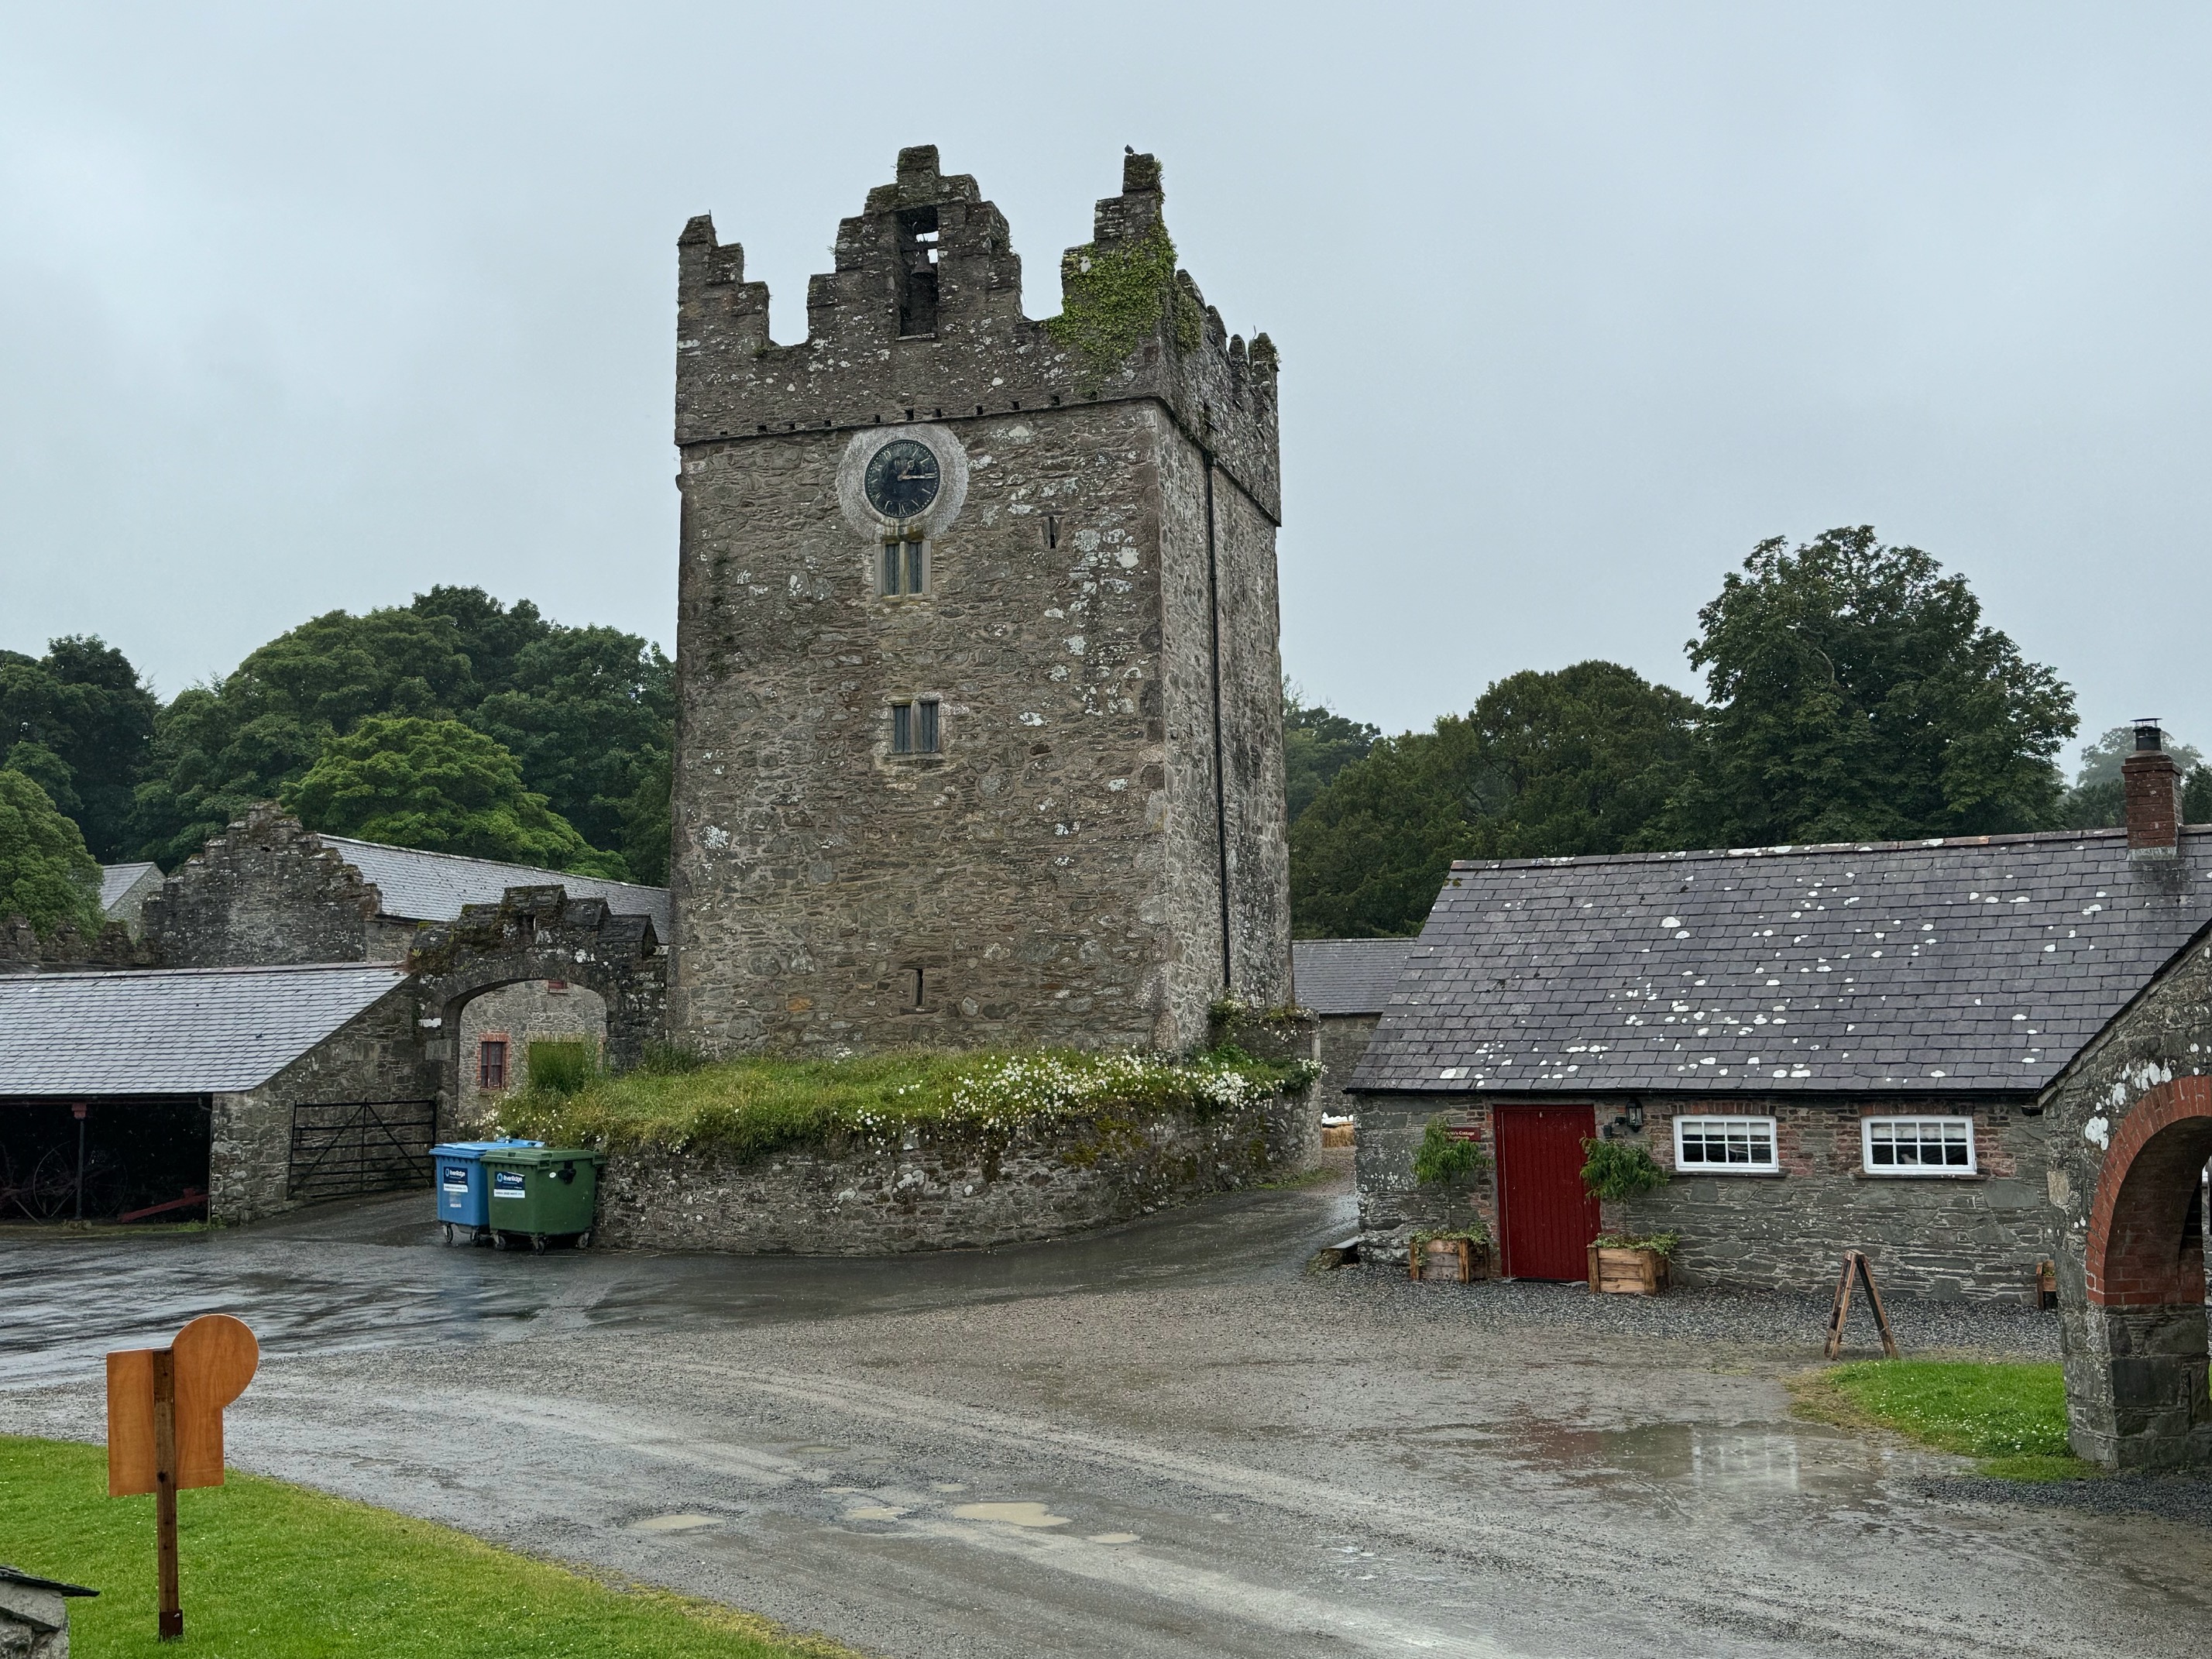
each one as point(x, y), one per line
point(304, 306)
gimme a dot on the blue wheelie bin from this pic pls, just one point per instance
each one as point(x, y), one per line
point(463, 1190)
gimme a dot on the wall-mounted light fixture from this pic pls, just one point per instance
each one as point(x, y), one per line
point(1635, 1115)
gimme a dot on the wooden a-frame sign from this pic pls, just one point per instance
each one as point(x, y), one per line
point(1854, 1266)
point(164, 1428)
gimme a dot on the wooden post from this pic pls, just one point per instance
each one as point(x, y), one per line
point(1882, 1319)
point(165, 1492)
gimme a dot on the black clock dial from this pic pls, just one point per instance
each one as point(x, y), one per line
point(901, 479)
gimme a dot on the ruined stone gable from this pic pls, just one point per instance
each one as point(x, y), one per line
point(266, 892)
point(1005, 767)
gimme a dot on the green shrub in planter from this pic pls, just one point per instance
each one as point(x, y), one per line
point(1444, 1157)
point(1619, 1168)
point(1657, 1243)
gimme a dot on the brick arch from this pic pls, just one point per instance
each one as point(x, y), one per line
point(2136, 1253)
point(537, 934)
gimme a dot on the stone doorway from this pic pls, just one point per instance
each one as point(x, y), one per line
point(2137, 1346)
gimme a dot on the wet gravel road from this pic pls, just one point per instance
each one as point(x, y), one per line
point(1168, 1440)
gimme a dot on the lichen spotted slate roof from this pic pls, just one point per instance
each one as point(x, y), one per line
point(420, 886)
point(1346, 975)
point(1932, 967)
point(173, 1030)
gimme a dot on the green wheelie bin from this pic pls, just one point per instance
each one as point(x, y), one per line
point(541, 1193)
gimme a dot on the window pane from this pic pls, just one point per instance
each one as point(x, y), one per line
point(926, 739)
point(902, 728)
point(914, 567)
point(890, 568)
point(1738, 1143)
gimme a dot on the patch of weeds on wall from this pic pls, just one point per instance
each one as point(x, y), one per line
point(1112, 298)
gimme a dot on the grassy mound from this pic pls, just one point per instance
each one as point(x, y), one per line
point(758, 1105)
point(2011, 1417)
point(274, 1572)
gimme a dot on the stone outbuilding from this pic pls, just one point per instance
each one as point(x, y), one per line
point(1827, 1047)
point(258, 1089)
point(1346, 984)
point(124, 891)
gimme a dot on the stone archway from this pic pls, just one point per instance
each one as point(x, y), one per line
point(2137, 1346)
point(541, 933)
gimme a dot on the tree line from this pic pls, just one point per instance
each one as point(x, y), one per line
point(455, 723)
point(1853, 693)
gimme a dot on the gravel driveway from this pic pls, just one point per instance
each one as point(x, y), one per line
point(1167, 1440)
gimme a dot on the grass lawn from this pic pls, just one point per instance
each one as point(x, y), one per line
point(2010, 1417)
point(274, 1572)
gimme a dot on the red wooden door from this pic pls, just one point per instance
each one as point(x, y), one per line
point(1545, 1220)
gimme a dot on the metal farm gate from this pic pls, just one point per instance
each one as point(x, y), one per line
point(341, 1149)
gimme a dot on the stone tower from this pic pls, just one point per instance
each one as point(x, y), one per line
point(979, 737)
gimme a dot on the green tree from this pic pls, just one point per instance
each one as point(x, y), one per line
point(2097, 800)
point(1316, 746)
point(1579, 761)
point(439, 785)
point(586, 712)
point(1855, 695)
point(81, 721)
point(646, 823)
point(45, 874)
point(583, 710)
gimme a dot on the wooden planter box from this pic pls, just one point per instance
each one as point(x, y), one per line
point(1627, 1273)
point(1450, 1259)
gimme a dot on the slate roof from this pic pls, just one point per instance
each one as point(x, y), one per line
point(1934, 967)
point(420, 886)
point(117, 879)
point(173, 1030)
point(1346, 975)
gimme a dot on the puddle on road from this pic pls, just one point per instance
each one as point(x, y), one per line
point(1742, 1461)
point(1019, 1515)
point(674, 1523)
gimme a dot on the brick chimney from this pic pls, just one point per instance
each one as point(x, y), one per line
point(2153, 786)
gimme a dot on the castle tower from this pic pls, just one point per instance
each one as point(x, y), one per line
point(979, 737)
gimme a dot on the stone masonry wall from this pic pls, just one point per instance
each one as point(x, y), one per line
point(945, 1190)
point(266, 892)
point(374, 1056)
point(1054, 874)
point(1339, 1041)
point(1975, 1236)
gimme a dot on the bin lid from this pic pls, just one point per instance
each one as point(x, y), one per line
point(536, 1154)
point(477, 1148)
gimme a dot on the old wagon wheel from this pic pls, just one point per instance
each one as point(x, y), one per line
point(53, 1184)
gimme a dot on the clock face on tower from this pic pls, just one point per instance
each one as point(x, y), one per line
point(901, 479)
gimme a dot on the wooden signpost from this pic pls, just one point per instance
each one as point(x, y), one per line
point(1854, 1266)
point(164, 1428)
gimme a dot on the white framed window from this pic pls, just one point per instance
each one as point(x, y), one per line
point(1917, 1145)
point(1725, 1145)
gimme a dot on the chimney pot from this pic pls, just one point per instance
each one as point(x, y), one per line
point(2151, 783)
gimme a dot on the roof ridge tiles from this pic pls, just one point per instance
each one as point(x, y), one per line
point(1806, 849)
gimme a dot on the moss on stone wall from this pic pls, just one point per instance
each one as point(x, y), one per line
point(1112, 298)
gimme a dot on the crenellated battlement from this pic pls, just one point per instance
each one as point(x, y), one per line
point(921, 319)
